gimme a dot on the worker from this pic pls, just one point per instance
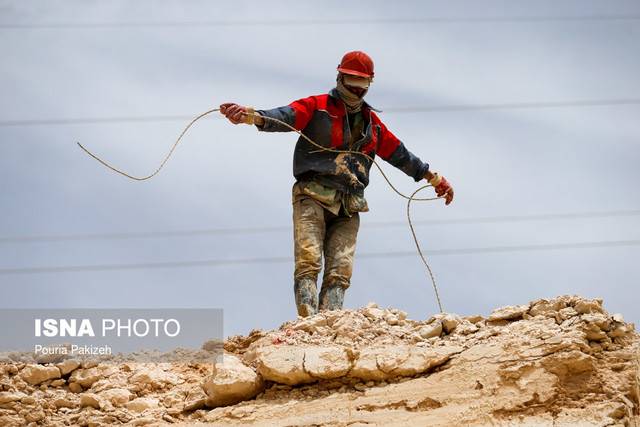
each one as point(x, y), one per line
point(328, 194)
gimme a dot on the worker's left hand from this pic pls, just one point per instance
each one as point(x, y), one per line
point(442, 187)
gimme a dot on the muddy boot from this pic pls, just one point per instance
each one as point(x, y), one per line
point(331, 297)
point(306, 297)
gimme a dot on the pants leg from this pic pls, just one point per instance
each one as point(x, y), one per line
point(308, 236)
point(339, 251)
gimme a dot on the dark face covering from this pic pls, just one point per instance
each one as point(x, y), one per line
point(351, 100)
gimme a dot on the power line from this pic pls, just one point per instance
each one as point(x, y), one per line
point(311, 22)
point(392, 110)
point(273, 260)
point(272, 229)
point(516, 105)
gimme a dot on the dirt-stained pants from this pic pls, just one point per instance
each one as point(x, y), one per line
point(318, 231)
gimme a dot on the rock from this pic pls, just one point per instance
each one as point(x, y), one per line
point(75, 388)
point(116, 396)
point(64, 403)
point(421, 360)
point(35, 415)
point(196, 399)
point(376, 363)
point(465, 328)
point(432, 330)
point(141, 404)
point(373, 312)
point(232, 382)
point(68, 366)
point(450, 322)
point(8, 397)
point(618, 318)
point(154, 377)
point(28, 400)
point(85, 377)
point(546, 308)
point(36, 374)
point(511, 312)
point(584, 306)
point(391, 319)
point(89, 400)
point(619, 331)
point(474, 318)
point(327, 362)
point(283, 364)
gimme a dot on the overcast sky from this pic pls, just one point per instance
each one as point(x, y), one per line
point(502, 162)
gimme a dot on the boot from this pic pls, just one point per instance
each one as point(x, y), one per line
point(305, 291)
point(331, 297)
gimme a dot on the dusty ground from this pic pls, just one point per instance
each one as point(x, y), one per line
point(559, 362)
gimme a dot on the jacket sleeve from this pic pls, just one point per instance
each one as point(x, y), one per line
point(392, 150)
point(296, 114)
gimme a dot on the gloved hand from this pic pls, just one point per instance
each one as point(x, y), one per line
point(237, 113)
point(442, 187)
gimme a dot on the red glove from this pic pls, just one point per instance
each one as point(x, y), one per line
point(442, 187)
point(237, 113)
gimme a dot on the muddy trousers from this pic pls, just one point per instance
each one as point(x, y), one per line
point(319, 232)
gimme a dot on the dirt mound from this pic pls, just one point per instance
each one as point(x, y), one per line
point(563, 361)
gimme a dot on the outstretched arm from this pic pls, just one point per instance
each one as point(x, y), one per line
point(297, 115)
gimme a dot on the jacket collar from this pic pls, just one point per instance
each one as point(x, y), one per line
point(334, 94)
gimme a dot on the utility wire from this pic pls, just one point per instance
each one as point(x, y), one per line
point(392, 110)
point(273, 260)
point(310, 22)
point(273, 229)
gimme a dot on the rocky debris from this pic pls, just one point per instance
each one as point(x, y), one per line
point(116, 396)
point(85, 377)
point(89, 400)
point(232, 382)
point(430, 331)
point(511, 312)
point(36, 374)
point(141, 404)
point(68, 366)
point(561, 361)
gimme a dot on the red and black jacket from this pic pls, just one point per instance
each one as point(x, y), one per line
point(323, 118)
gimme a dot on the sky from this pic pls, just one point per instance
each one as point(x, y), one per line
point(523, 167)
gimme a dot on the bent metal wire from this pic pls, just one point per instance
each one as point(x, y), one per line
point(252, 114)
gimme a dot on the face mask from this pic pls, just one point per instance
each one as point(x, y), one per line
point(351, 100)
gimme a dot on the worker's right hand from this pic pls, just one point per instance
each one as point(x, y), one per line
point(234, 112)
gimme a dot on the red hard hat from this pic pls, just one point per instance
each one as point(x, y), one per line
point(356, 63)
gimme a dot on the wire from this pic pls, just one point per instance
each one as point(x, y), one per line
point(272, 260)
point(306, 22)
point(392, 110)
point(274, 229)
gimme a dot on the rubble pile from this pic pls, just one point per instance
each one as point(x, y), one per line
point(563, 361)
